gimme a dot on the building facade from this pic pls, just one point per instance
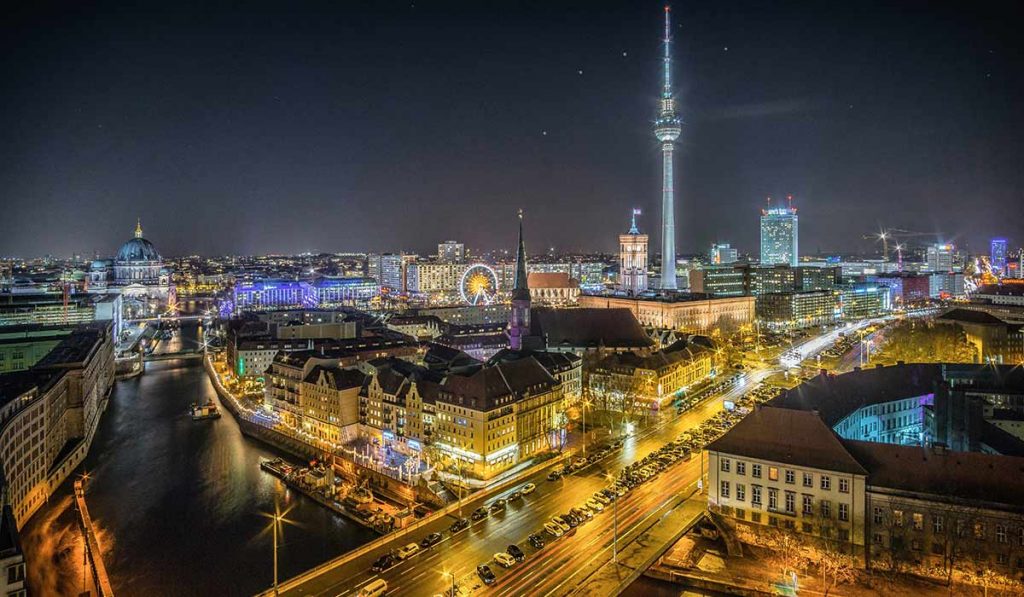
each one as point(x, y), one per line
point(695, 314)
point(779, 236)
point(633, 259)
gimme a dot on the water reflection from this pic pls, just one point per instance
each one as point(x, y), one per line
point(179, 502)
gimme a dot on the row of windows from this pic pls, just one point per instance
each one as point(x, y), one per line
point(789, 500)
point(916, 520)
point(789, 475)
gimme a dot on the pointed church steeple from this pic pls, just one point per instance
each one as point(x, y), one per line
point(521, 288)
point(519, 337)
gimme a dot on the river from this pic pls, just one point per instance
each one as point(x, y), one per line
point(179, 504)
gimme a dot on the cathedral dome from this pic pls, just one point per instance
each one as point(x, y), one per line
point(137, 249)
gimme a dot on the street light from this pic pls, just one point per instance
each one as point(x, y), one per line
point(451, 574)
point(276, 520)
point(615, 523)
point(585, 405)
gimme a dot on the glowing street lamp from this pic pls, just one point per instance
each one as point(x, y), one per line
point(615, 522)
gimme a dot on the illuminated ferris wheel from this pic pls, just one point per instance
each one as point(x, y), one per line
point(479, 285)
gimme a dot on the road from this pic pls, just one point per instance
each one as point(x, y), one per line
point(552, 569)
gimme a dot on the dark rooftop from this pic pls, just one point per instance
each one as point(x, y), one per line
point(968, 475)
point(836, 396)
point(787, 436)
point(588, 328)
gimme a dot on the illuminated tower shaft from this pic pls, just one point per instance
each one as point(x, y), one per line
point(667, 128)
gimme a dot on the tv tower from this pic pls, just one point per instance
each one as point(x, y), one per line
point(667, 128)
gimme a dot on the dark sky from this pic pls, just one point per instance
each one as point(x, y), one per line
point(335, 126)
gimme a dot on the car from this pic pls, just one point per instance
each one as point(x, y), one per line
point(515, 552)
point(479, 514)
point(408, 551)
point(580, 462)
point(497, 506)
point(430, 540)
point(459, 525)
point(582, 513)
point(602, 498)
point(595, 505)
point(384, 562)
point(554, 476)
point(485, 574)
point(571, 520)
point(562, 523)
point(528, 489)
point(536, 541)
point(515, 495)
point(504, 559)
point(553, 529)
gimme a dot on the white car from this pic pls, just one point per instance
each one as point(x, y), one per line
point(600, 497)
point(528, 489)
point(595, 505)
point(408, 551)
point(504, 559)
point(553, 529)
point(561, 524)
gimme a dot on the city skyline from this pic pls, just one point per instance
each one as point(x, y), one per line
point(276, 118)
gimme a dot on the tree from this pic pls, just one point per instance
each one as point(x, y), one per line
point(914, 341)
point(787, 550)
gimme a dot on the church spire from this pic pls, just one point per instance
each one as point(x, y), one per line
point(521, 288)
point(632, 227)
point(138, 228)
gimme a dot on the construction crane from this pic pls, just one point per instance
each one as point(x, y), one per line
point(895, 233)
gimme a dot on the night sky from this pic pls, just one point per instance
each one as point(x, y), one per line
point(349, 126)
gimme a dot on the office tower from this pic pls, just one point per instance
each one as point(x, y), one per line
point(451, 252)
point(997, 258)
point(940, 258)
point(722, 253)
point(779, 237)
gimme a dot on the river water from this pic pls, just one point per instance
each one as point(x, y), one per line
point(179, 504)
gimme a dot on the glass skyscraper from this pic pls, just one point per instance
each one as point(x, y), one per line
point(779, 236)
point(998, 256)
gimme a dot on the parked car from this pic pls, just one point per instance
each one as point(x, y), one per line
point(384, 562)
point(485, 574)
point(497, 506)
point(595, 505)
point(504, 559)
point(430, 540)
point(554, 476)
point(536, 541)
point(408, 551)
point(553, 529)
point(479, 514)
point(515, 495)
point(515, 552)
point(528, 489)
point(562, 523)
point(459, 525)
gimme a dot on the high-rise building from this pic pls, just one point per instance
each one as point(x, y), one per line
point(997, 259)
point(388, 269)
point(722, 253)
point(940, 258)
point(451, 252)
point(779, 238)
point(633, 259)
point(667, 128)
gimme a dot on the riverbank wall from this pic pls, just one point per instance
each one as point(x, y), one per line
point(253, 429)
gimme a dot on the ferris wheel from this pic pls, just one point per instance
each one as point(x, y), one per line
point(479, 285)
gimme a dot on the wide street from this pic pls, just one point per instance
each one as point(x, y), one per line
point(550, 569)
